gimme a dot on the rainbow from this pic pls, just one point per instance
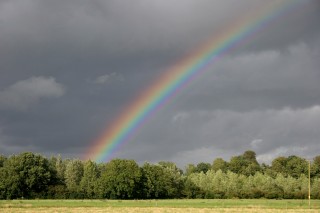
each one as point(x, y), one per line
point(179, 75)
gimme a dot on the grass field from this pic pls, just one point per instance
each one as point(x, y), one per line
point(159, 206)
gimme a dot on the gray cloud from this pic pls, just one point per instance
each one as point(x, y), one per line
point(197, 136)
point(108, 77)
point(268, 79)
point(120, 29)
point(233, 106)
point(23, 94)
point(266, 101)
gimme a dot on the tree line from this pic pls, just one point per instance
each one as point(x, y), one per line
point(28, 175)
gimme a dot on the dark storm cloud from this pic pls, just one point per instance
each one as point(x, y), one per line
point(25, 93)
point(69, 67)
point(268, 79)
point(268, 102)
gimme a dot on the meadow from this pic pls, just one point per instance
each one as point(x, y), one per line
point(159, 206)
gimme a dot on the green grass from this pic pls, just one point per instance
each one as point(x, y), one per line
point(196, 203)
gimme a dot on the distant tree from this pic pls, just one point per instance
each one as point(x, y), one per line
point(3, 184)
point(251, 169)
point(203, 182)
point(57, 187)
point(267, 170)
point(234, 185)
point(60, 167)
point(315, 188)
point(102, 167)
point(292, 165)
point(88, 182)
point(173, 178)
point(265, 167)
point(279, 165)
point(315, 167)
point(219, 183)
point(73, 176)
point(25, 175)
point(286, 186)
point(29, 175)
point(120, 180)
point(203, 167)
point(170, 166)
point(245, 164)
point(219, 164)
point(260, 185)
point(154, 181)
point(191, 190)
point(316, 160)
point(296, 166)
point(2, 160)
point(250, 156)
point(190, 168)
point(301, 188)
point(237, 164)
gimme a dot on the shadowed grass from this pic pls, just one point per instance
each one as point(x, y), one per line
point(153, 209)
point(183, 205)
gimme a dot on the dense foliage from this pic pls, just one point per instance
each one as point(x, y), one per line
point(30, 175)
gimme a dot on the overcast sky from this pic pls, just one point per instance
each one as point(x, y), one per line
point(67, 68)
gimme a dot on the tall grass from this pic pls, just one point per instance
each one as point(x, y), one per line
point(196, 205)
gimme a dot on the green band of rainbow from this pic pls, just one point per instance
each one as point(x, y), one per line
point(162, 90)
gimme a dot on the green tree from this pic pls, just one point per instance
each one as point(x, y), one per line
point(266, 169)
point(302, 187)
point(251, 169)
point(250, 156)
point(190, 168)
point(173, 179)
point(315, 167)
point(88, 182)
point(315, 188)
point(237, 164)
point(170, 166)
point(293, 166)
point(286, 185)
point(73, 176)
point(60, 167)
point(219, 164)
point(296, 166)
point(245, 164)
point(234, 184)
point(57, 188)
point(219, 183)
point(201, 181)
point(2, 160)
point(3, 184)
point(211, 184)
point(203, 167)
point(120, 180)
point(190, 189)
point(279, 165)
point(25, 175)
point(260, 185)
point(154, 181)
